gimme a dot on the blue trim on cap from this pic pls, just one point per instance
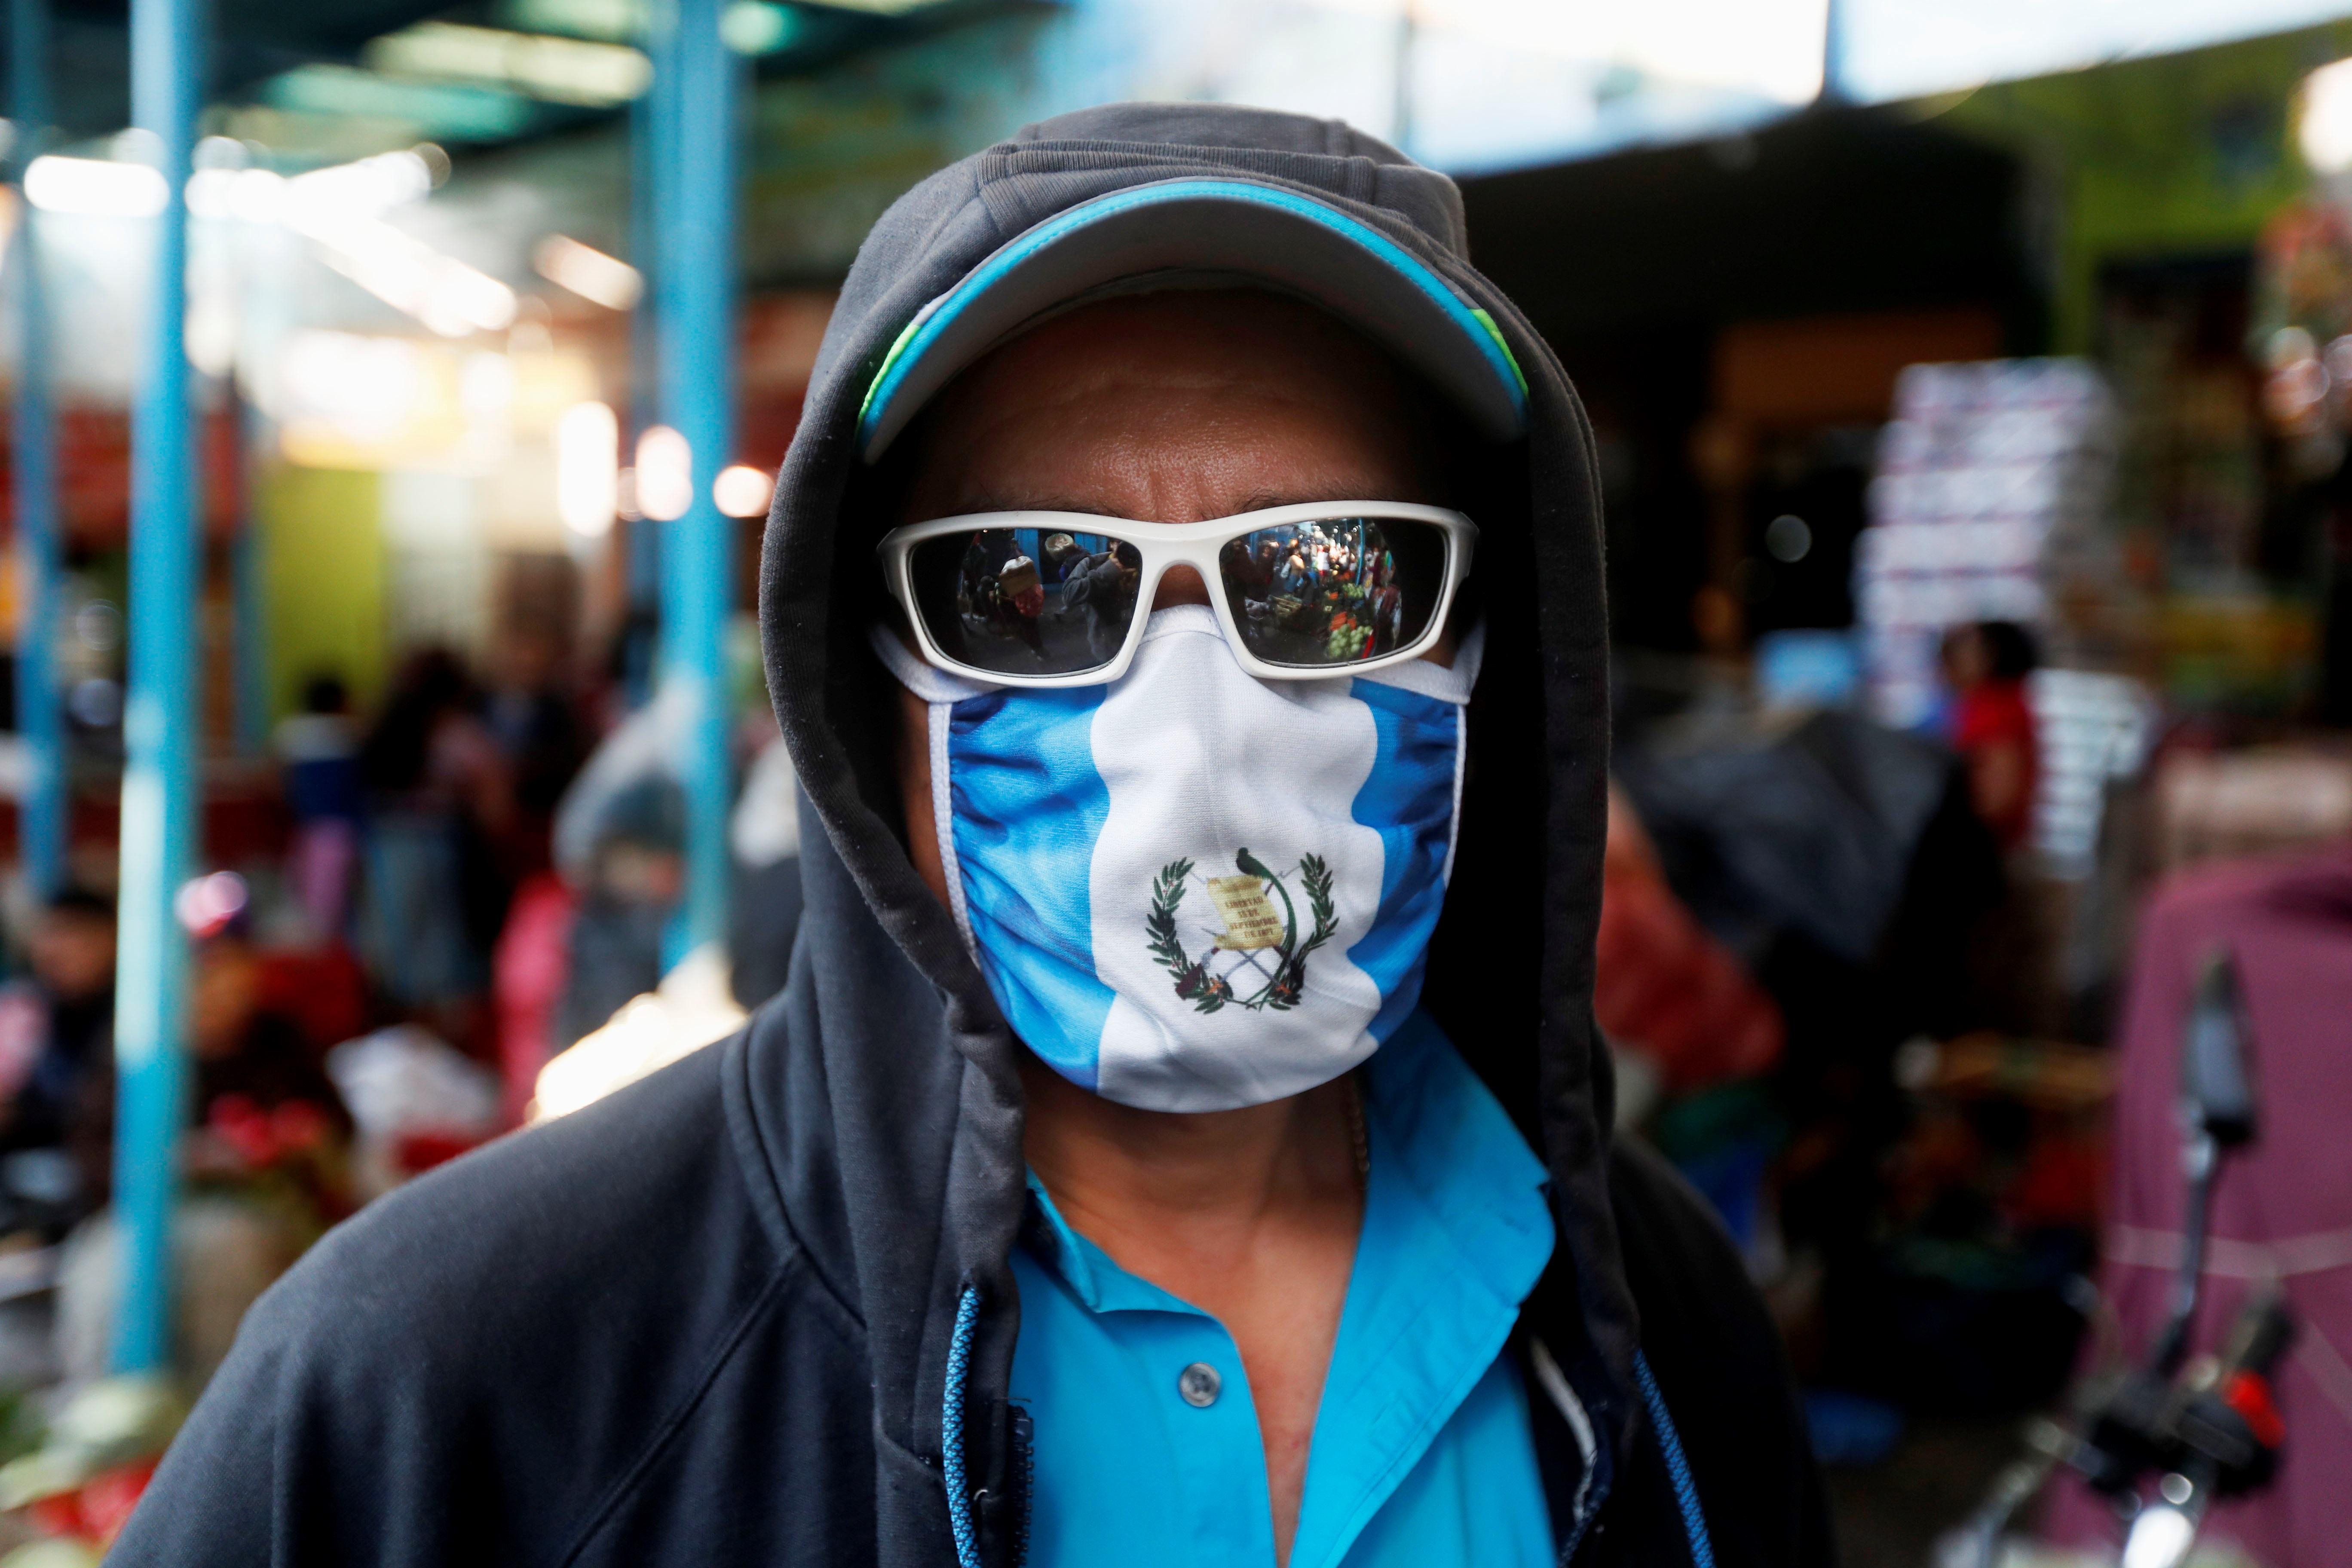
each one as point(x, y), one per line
point(934, 318)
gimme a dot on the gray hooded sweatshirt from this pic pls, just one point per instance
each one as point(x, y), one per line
point(723, 1316)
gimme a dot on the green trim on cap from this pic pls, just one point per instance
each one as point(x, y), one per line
point(1509, 358)
point(906, 335)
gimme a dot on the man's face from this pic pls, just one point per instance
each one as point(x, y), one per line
point(73, 954)
point(527, 660)
point(1172, 408)
point(1966, 662)
point(225, 996)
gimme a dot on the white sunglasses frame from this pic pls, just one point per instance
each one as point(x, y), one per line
point(1195, 544)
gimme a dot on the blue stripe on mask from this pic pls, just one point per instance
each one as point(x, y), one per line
point(1025, 793)
point(1407, 799)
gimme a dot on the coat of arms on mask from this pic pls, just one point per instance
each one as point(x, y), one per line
point(1257, 959)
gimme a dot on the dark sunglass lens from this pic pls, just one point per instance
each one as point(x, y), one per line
point(1335, 592)
point(1024, 601)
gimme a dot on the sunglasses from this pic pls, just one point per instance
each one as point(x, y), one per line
point(1059, 598)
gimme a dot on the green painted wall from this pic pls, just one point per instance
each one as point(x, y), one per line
point(2173, 156)
point(324, 579)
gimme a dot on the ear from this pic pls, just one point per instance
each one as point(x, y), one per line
point(915, 792)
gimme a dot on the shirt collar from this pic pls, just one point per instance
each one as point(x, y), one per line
point(1099, 1283)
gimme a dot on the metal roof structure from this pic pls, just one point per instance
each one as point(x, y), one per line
point(481, 73)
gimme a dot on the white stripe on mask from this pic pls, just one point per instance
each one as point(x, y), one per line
point(1191, 889)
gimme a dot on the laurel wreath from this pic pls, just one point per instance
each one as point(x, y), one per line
point(1208, 992)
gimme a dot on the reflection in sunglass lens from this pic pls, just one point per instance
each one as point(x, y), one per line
point(1024, 601)
point(1337, 590)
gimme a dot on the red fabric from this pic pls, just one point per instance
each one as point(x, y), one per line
point(1662, 984)
point(322, 990)
point(96, 1510)
point(528, 972)
point(418, 1152)
point(2284, 1205)
point(1994, 713)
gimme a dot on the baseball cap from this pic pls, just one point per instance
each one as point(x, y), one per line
point(1204, 232)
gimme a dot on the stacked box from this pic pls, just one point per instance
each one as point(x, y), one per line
point(1989, 497)
point(2090, 729)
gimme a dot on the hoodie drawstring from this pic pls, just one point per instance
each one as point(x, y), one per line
point(967, 1538)
point(1702, 1550)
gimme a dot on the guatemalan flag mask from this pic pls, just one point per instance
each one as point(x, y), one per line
point(1191, 889)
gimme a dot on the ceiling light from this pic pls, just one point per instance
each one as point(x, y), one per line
point(453, 112)
point(588, 468)
point(560, 70)
point(2326, 131)
point(95, 187)
point(758, 28)
point(220, 153)
point(616, 21)
point(588, 272)
point(451, 298)
point(375, 185)
point(367, 387)
point(741, 490)
point(665, 474)
point(251, 194)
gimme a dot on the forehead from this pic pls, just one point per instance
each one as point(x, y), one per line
point(1246, 395)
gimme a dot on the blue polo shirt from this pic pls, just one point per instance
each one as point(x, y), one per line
point(1145, 1438)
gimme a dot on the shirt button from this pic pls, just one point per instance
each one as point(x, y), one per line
point(1199, 1384)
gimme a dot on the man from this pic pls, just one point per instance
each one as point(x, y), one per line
point(1141, 1164)
point(266, 1164)
point(1101, 590)
point(57, 1025)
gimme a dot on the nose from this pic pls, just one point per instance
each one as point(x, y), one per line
point(1180, 585)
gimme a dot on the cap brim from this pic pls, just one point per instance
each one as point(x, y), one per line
point(1188, 228)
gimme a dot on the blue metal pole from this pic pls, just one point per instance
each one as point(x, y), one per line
point(41, 822)
point(1833, 54)
point(696, 179)
point(646, 158)
point(159, 725)
point(250, 608)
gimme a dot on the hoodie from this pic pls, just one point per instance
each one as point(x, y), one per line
point(759, 1308)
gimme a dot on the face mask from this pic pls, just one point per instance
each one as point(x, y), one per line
point(1191, 890)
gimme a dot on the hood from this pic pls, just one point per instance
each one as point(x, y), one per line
point(911, 1086)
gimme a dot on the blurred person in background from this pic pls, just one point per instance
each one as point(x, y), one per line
point(629, 883)
point(265, 1161)
point(438, 795)
point(569, 963)
point(57, 1025)
point(1074, 1204)
point(248, 1061)
point(540, 735)
point(1985, 665)
point(1099, 589)
point(620, 844)
point(1662, 987)
point(319, 756)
